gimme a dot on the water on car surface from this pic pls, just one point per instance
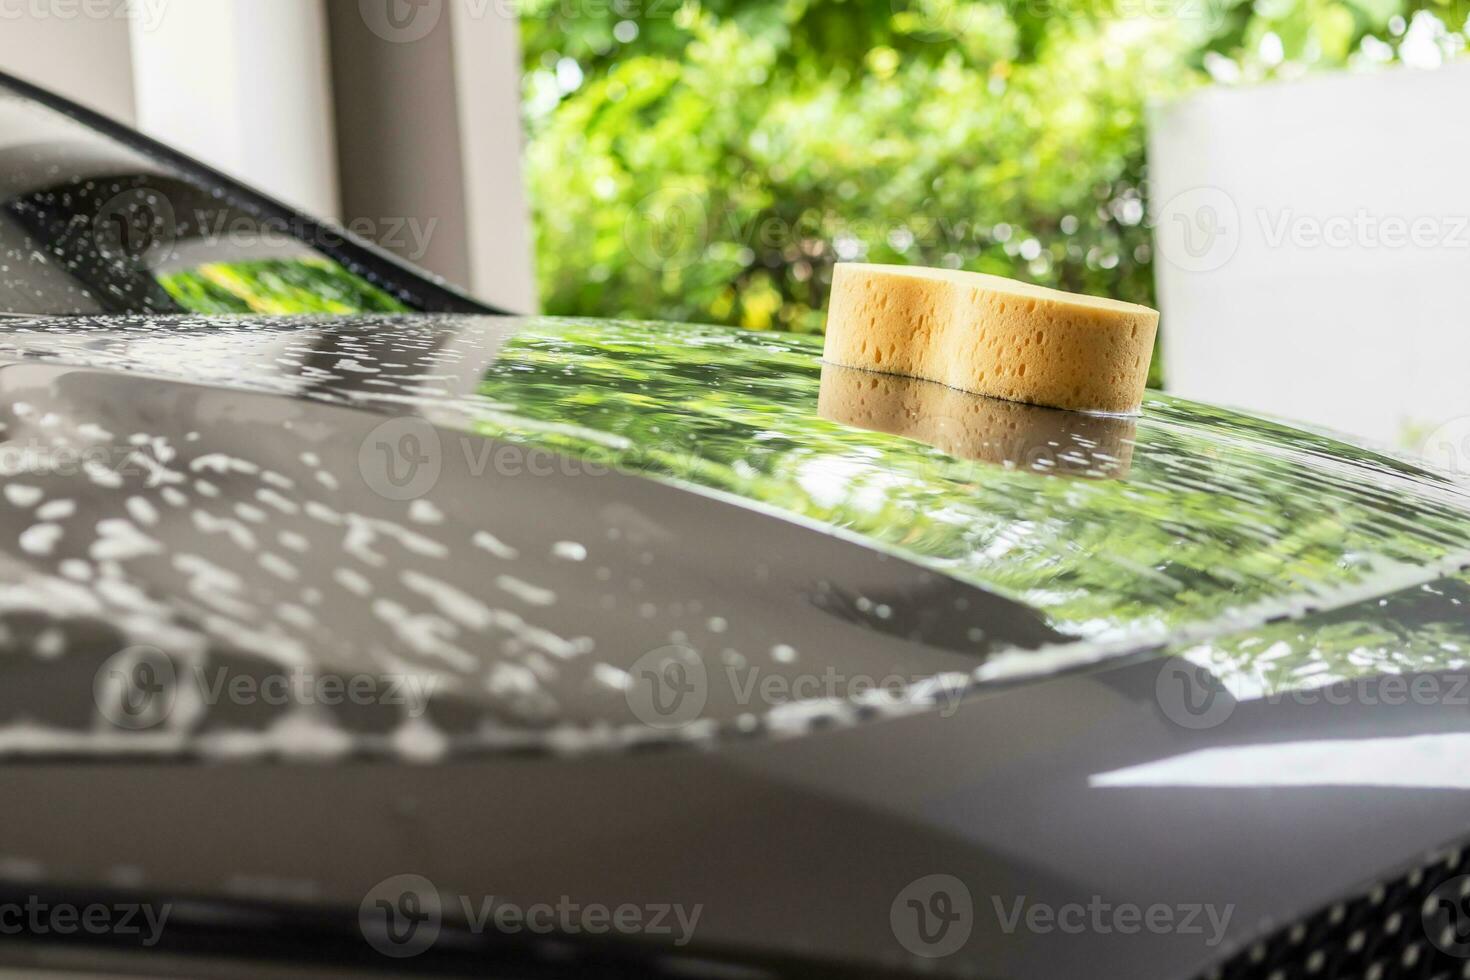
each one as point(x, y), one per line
point(457, 499)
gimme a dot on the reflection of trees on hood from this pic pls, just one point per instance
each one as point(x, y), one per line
point(1219, 511)
point(1418, 630)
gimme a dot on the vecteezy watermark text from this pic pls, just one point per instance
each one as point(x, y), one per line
point(141, 227)
point(669, 687)
point(407, 21)
point(148, 14)
point(408, 236)
point(934, 916)
point(1191, 696)
point(673, 227)
point(35, 917)
point(139, 688)
point(403, 458)
point(1098, 916)
point(404, 915)
point(1202, 228)
point(1363, 229)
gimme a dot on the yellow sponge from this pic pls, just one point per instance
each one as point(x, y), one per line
point(991, 335)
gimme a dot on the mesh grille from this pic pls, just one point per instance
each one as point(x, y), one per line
point(1414, 926)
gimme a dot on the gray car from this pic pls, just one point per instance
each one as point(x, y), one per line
point(352, 627)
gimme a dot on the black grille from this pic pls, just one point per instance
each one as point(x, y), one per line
point(1414, 926)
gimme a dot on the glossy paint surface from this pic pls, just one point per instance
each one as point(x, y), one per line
point(1092, 789)
point(457, 498)
point(226, 492)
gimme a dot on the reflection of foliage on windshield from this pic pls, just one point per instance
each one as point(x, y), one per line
point(1418, 630)
point(1218, 510)
point(309, 285)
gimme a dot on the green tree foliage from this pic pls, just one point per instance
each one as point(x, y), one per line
point(709, 161)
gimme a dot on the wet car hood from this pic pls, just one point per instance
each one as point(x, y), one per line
point(456, 500)
point(524, 518)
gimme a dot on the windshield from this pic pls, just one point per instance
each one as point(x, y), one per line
point(96, 220)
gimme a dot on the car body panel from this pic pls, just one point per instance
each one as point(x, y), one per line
point(1195, 660)
point(646, 487)
point(1084, 537)
point(797, 851)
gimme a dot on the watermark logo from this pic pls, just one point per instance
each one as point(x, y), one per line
point(135, 688)
point(1100, 917)
point(401, 21)
point(137, 229)
point(410, 237)
point(141, 688)
point(405, 915)
point(1191, 696)
point(401, 916)
point(668, 687)
point(669, 229)
point(401, 459)
point(147, 14)
point(35, 917)
point(1448, 446)
point(933, 916)
point(1363, 230)
point(1446, 915)
point(934, 20)
point(1382, 690)
point(1199, 230)
point(404, 458)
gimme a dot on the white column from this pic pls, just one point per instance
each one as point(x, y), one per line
point(245, 86)
point(487, 62)
point(428, 125)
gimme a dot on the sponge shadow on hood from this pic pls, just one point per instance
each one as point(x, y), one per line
point(1040, 440)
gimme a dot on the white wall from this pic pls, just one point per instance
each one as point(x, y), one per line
point(1314, 249)
point(87, 59)
point(244, 85)
point(487, 62)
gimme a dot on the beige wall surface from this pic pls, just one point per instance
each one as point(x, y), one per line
point(244, 86)
point(398, 139)
point(429, 139)
point(487, 60)
point(85, 58)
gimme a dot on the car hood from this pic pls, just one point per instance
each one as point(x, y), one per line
point(464, 500)
point(1098, 647)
